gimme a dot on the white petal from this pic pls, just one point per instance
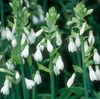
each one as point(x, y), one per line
point(49, 46)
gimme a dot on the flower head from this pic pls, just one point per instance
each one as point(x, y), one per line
point(14, 42)
point(49, 46)
point(71, 46)
point(31, 37)
point(6, 86)
point(25, 51)
point(71, 80)
point(37, 78)
point(92, 74)
point(58, 39)
point(77, 41)
point(29, 83)
point(96, 57)
point(38, 55)
point(97, 72)
point(91, 38)
point(10, 65)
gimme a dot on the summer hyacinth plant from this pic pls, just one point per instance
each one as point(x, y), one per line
point(82, 40)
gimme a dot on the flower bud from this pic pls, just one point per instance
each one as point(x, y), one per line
point(49, 46)
point(96, 57)
point(92, 74)
point(37, 78)
point(25, 52)
point(91, 38)
point(77, 41)
point(58, 39)
point(71, 80)
point(71, 46)
point(82, 30)
point(38, 55)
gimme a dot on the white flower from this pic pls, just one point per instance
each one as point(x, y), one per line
point(92, 74)
point(97, 72)
point(86, 47)
point(38, 55)
point(17, 75)
point(71, 46)
point(9, 34)
point(40, 45)
point(23, 39)
point(37, 78)
point(91, 38)
point(6, 86)
point(77, 41)
point(82, 30)
point(49, 46)
point(59, 63)
point(38, 33)
point(25, 51)
point(14, 42)
point(29, 83)
point(56, 70)
point(3, 34)
point(31, 37)
point(35, 20)
point(96, 57)
point(71, 80)
point(10, 65)
point(58, 39)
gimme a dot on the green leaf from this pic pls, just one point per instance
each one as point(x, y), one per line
point(30, 60)
point(44, 68)
point(77, 69)
point(89, 11)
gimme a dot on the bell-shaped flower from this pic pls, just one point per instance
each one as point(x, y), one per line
point(40, 44)
point(91, 38)
point(29, 83)
point(23, 39)
point(71, 80)
point(9, 34)
point(3, 34)
point(77, 41)
point(10, 65)
point(6, 86)
point(71, 46)
point(58, 39)
point(25, 51)
point(17, 75)
point(38, 55)
point(14, 42)
point(31, 37)
point(35, 19)
point(82, 30)
point(56, 70)
point(96, 57)
point(37, 78)
point(59, 63)
point(97, 72)
point(49, 46)
point(92, 74)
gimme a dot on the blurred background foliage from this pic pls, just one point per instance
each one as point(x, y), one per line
point(65, 9)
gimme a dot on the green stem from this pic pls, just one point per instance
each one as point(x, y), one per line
point(2, 15)
point(52, 80)
point(84, 69)
point(17, 92)
point(23, 83)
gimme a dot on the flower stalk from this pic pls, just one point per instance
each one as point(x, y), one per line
point(84, 68)
point(52, 79)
